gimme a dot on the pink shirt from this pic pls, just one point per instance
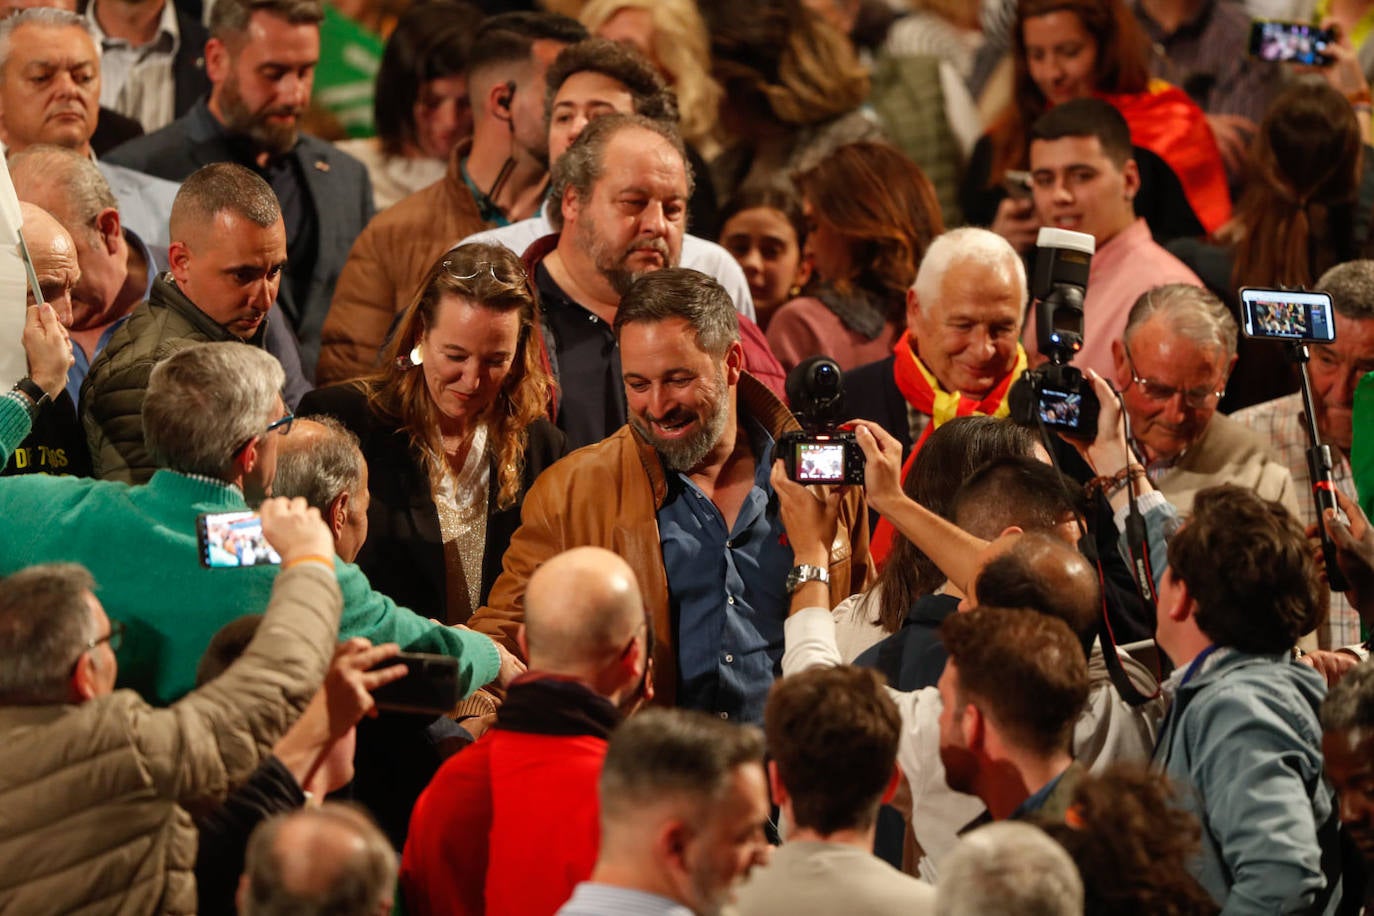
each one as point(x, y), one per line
point(804, 327)
point(1125, 267)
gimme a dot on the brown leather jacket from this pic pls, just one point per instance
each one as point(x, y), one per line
point(608, 495)
point(385, 268)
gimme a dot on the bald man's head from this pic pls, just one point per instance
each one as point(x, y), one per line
point(54, 259)
point(582, 608)
point(70, 187)
point(1037, 570)
point(331, 859)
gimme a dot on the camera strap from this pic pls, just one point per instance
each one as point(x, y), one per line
point(1088, 547)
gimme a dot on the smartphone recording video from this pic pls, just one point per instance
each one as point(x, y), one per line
point(1273, 314)
point(230, 540)
point(1291, 42)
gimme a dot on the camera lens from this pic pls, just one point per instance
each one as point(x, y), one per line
point(825, 380)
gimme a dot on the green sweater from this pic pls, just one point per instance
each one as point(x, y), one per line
point(140, 544)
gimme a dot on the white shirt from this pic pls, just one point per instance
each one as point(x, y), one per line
point(138, 81)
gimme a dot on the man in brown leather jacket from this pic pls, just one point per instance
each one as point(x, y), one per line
point(682, 493)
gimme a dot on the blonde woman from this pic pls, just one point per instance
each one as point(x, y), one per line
point(454, 431)
point(673, 36)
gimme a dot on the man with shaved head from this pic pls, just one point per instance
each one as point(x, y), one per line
point(227, 255)
point(510, 824)
point(118, 265)
point(56, 444)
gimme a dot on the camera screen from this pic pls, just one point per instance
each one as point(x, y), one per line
point(1287, 316)
point(1061, 408)
point(233, 539)
point(1290, 41)
point(820, 462)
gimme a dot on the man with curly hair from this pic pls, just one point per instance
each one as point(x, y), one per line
point(1242, 737)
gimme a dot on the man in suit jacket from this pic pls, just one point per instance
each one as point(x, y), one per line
point(261, 59)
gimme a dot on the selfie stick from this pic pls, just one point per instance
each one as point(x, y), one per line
point(1319, 465)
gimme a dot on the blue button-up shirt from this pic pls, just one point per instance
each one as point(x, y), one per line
point(727, 591)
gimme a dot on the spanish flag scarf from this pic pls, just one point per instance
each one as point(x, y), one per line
point(922, 391)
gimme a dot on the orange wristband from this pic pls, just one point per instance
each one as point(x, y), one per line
point(309, 558)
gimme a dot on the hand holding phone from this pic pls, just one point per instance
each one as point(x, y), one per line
point(1291, 42)
point(430, 686)
point(295, 529)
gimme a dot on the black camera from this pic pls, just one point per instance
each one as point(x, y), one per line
point(820, 452)
point(1057, 395)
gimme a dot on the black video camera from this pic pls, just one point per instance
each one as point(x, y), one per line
point(820, 452)
point(1057, 395)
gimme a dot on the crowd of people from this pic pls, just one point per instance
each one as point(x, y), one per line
point(421, 516)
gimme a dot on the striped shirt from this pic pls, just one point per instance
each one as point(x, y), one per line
point(1281, 423)
point(591, 899)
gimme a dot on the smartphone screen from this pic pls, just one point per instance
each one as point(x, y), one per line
point(233, 539)
point(1290, 42)
point(1273, 314)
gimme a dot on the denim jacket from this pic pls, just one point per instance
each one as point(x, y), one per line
point(1243, 743)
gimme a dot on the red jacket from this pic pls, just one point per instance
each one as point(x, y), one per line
point(507, 826)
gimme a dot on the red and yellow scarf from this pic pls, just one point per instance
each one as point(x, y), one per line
point(923, 392)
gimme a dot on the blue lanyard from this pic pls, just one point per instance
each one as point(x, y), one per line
point(1197, 664)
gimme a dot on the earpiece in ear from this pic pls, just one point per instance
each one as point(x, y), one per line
point(417, 356)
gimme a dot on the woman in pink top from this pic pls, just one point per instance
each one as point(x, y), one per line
point(870, 215)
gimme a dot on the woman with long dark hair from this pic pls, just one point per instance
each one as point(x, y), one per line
point(1068, 49)
point(420, 108)
point(1295, 220)
point(871, 213)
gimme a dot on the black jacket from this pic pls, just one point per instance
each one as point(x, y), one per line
point(404, 553)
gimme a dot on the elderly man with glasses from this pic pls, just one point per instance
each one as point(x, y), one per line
point(1171, 366)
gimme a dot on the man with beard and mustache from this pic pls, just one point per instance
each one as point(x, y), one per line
point(510, 825)
point(1014, 686)
point(682, 492)
point(620, 194)
point(261, 61)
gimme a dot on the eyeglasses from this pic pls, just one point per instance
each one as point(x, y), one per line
point(115, 638)
point(282, 426)
point(1197, 398)
point(477, 271)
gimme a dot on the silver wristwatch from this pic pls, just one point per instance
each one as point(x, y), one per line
point(804, 573)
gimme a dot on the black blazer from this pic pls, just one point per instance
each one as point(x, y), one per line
point(404, 553)
point(870, 393)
